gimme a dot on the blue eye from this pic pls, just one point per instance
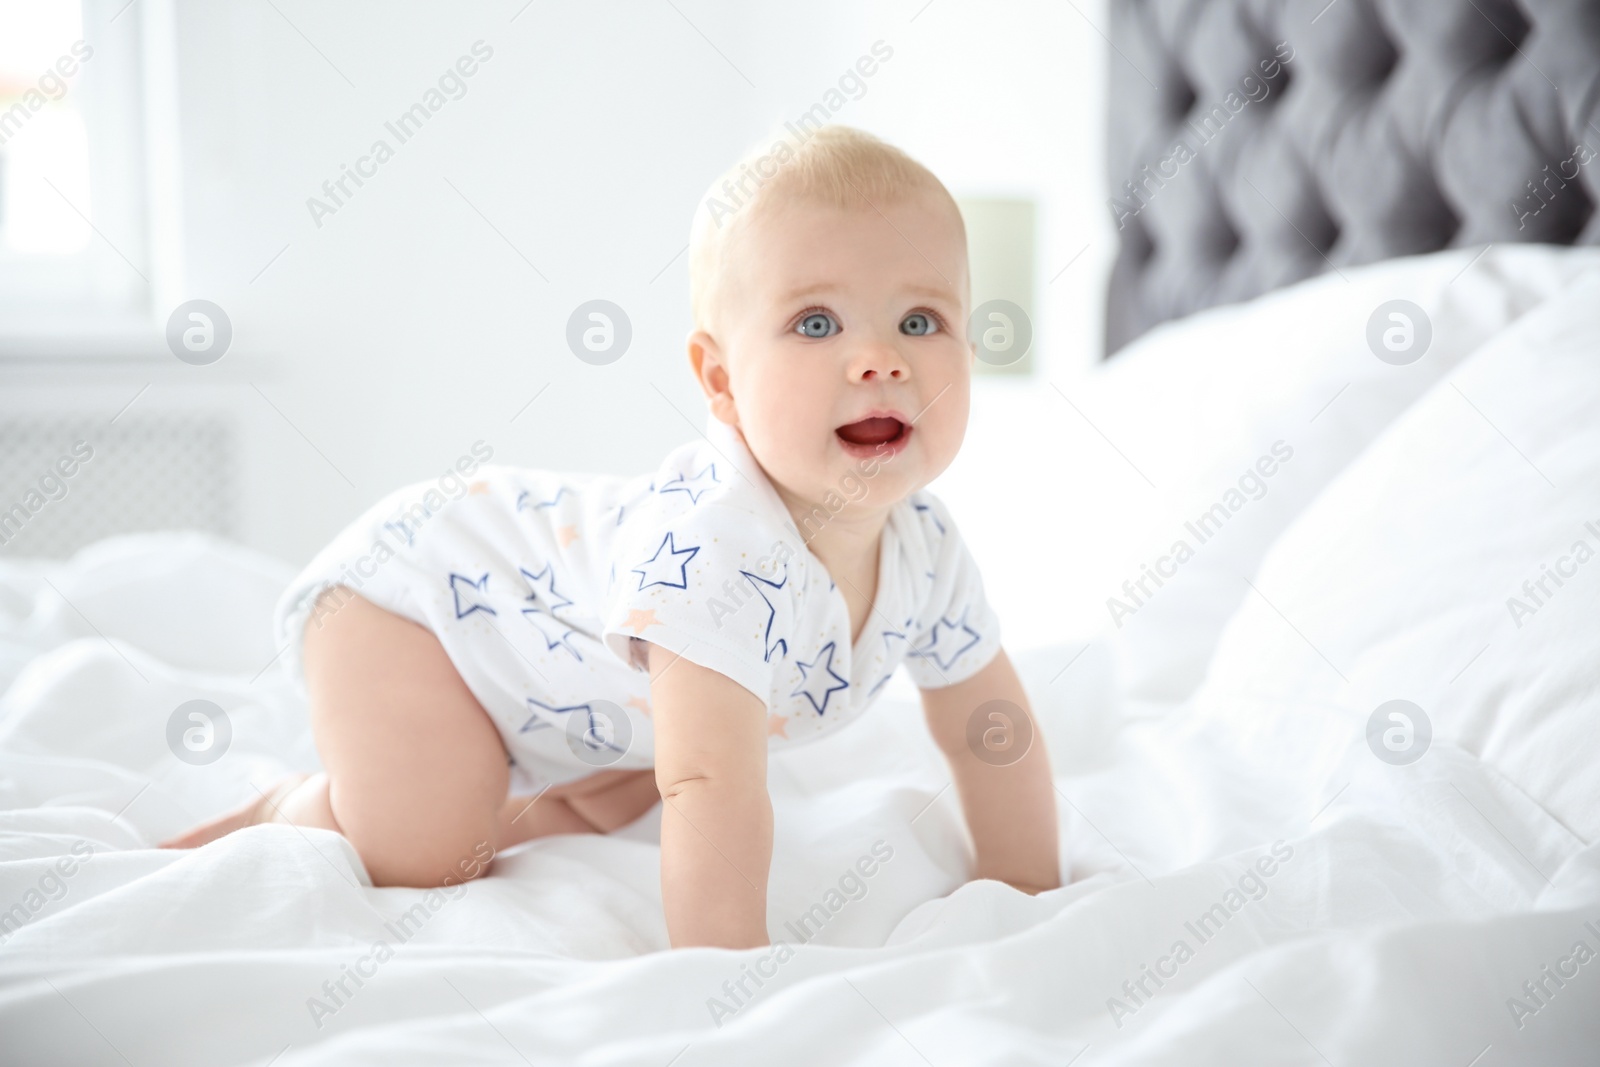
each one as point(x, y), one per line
point(918, 324)
point(816, 324)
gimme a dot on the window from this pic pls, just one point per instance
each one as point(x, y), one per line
point(43, 145)
point(74, 247)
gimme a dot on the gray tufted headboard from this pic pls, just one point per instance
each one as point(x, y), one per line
point(1253, 143)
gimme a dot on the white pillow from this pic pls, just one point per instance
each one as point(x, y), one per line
point(1405, 579)
point(1196, 404)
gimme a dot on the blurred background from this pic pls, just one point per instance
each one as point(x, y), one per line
point(380, 311)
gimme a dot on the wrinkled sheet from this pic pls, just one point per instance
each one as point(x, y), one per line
point(1407, 912)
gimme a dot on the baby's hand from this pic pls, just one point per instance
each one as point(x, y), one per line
point(716, 819)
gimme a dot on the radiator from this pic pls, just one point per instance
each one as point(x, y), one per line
point(69, 479)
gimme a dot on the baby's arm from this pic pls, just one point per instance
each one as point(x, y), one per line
point(716, 819)
point(1011, 809)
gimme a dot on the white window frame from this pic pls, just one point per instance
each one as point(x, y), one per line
point(100, 301)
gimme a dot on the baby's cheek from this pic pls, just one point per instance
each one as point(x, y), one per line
point(945, 435)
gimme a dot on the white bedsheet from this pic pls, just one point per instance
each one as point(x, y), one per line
point(1379, 940)
point(1404, 911)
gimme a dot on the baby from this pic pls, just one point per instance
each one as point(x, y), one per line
point(548, 653)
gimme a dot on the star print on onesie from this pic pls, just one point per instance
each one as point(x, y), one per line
point(545, 589)
point(728, 582)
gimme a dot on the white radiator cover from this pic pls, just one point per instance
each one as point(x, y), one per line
point(150, 445)
point(70, 479)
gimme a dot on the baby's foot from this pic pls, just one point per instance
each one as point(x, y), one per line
point(263, 808)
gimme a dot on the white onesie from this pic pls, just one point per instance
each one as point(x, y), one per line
point(542, 588)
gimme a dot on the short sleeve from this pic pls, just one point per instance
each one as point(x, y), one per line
point(959, 633)
point(712, 584)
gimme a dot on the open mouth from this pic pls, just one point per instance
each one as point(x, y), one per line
point(874, 434)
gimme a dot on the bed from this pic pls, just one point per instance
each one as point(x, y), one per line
point(1262, 863)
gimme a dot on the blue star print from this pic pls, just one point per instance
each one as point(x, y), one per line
point(405, 528)
point(543, 586)
point(660, 570)
point(929, 513)
point(542, 714)
point(809, 682)
point(888, 653)
point(756, 582)
point(599, 727)
point(943, 639)
point(597, 731)
point(525, 496)
point(887, 634)
point(530, 613)
point(466, 592)
point(697, 486)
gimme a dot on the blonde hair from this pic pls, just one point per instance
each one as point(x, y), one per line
point(835, 166)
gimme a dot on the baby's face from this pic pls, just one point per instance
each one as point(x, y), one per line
point(843, 337)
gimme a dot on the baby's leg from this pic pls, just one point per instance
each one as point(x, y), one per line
point(605, 800)
point(416, 774)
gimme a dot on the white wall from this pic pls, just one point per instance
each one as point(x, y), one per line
point(405, 328)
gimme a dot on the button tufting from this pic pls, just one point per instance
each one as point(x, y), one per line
point(1396, 127)
point(1383, 69)
point(1180, 97)
point(1510, 20)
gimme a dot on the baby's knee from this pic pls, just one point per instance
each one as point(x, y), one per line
point(442, 863)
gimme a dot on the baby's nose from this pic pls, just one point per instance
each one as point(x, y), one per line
point(874, 362)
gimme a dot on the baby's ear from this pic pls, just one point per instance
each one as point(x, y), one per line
point(708, 362)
